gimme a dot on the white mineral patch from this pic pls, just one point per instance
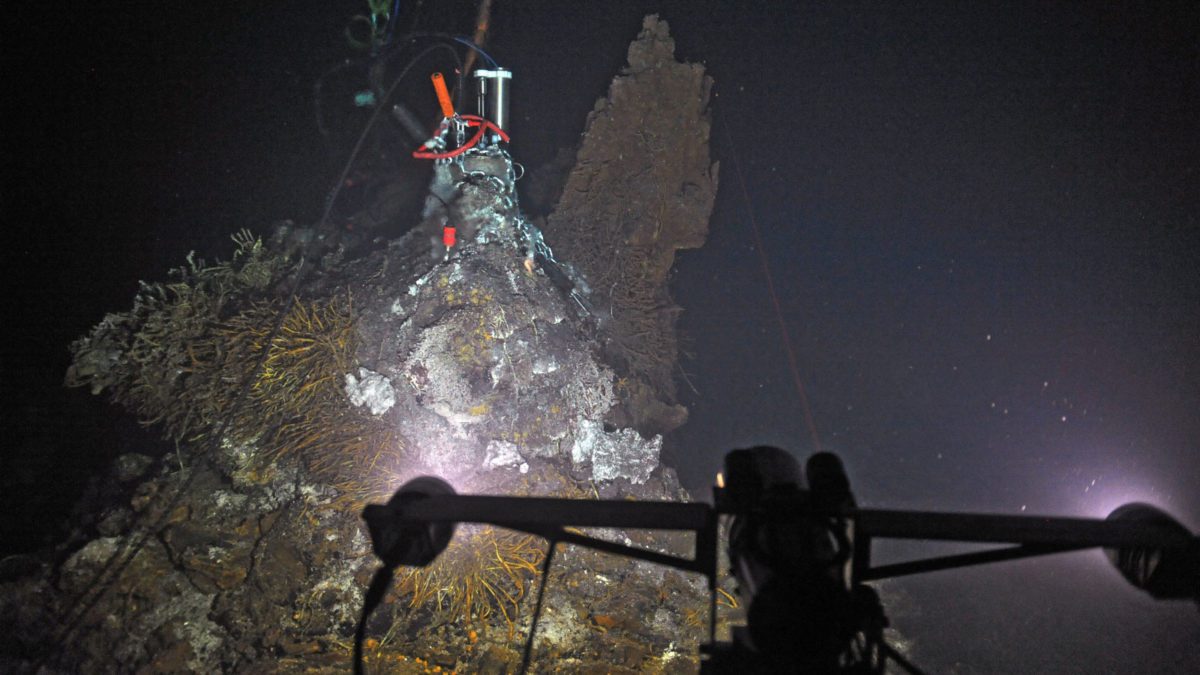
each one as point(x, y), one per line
point(97, 551)
point(441, 380)
point(545, 364)
point(316, 494)
point(372, 390)
point(227, 501)
point(620, 454)
point(501, 454)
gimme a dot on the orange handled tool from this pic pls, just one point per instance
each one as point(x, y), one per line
point(443, 95)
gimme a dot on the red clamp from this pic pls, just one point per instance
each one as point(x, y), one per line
point(472, 121)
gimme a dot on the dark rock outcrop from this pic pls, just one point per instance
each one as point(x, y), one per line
point(642, 188)
point(298, 390)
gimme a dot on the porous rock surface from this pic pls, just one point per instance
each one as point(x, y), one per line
point(214, 559)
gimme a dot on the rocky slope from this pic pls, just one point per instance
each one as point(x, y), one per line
point(303, 379)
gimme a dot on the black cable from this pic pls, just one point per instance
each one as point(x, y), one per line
point(375, 592)
point(114, 569)
point(537, 610)
point(380, 106)
point(100, 586)
point(380, 61)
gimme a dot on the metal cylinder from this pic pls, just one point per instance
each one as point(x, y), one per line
point(492, 89)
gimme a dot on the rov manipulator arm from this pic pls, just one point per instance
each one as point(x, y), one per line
point(782, 523)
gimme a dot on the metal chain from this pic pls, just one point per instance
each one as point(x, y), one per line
point(535, 243)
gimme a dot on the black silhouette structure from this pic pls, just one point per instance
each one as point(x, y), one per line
point(800, 551)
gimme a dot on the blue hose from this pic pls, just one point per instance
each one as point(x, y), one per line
point(468, 42)
point(392, 20)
